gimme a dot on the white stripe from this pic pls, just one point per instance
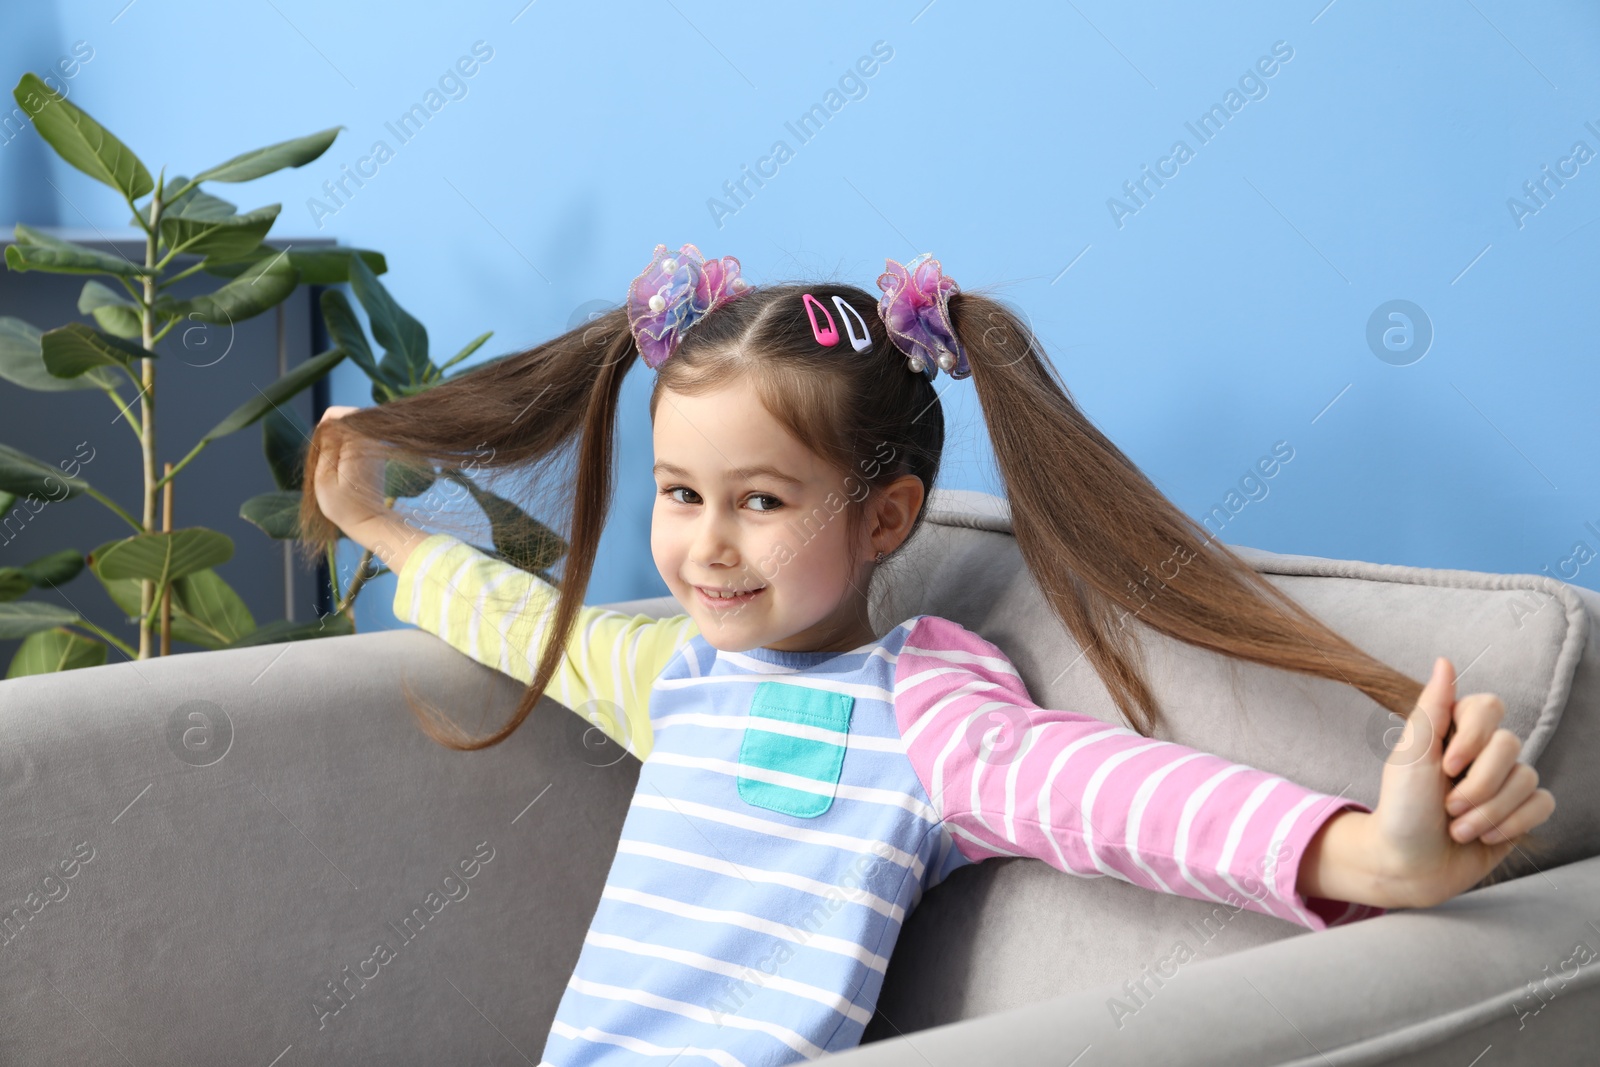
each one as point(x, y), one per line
point(867, 794)
point(644, 1048)
point(954, 655)
point(738, 661)
point(1014, 772)
point(447, 596)
point(800, 936)
point(505, 637)
point(1141, 801)
point(1191, 807)
point(694, 1011)
point(714, 721)
point(777, 829)
point(1279, 832)
point(822, 682)
point(1236, 834)
point(1092, 790)
point(422, 572)
point(760, 874)
point(1047, 791)
point(974, 686)
point(826, 997)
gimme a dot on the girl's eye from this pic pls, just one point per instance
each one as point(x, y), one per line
point(671, 490)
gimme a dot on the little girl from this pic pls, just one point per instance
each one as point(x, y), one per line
point(805, 778)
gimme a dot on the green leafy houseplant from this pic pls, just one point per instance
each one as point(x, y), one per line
point(151, 566)
point(405, 369)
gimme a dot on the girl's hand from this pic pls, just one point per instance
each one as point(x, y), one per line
point(349, 485)
point(1427, 852)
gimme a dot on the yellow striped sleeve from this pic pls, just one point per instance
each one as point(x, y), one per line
point(494, 612)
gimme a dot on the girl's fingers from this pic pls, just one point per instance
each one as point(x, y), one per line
point(1519, 785)
point(1530, 813)
point(1487, 773)
point(1476, 716)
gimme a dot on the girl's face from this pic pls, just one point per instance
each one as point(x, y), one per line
point(743, 506)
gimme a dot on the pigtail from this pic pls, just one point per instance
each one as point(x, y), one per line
point(550, 408)
point(1108, 549)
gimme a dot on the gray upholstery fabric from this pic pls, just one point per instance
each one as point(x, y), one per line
point(230, 884)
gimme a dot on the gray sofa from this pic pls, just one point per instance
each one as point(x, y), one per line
point(199, 855)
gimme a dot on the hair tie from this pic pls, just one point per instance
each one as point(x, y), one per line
point(675, 292)
point(915, 310)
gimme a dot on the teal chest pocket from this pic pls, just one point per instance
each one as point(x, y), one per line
point(793, 748)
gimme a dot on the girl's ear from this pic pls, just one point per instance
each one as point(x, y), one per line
point(896, 507)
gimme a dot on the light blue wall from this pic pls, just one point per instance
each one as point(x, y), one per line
point(1227, 313)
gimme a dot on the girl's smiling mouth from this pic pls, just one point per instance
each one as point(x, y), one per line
point(727, 598)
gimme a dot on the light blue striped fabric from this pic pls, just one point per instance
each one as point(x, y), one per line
point(776, 842)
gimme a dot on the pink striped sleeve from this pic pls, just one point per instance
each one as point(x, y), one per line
point(1093, 799)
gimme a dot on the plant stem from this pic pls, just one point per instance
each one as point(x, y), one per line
point(195, 451)
point(147, 401)
point(133, 420)
point(182, 274)
point(356, 583)
point(333, 572)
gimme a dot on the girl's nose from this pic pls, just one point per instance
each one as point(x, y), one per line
point(713, 542)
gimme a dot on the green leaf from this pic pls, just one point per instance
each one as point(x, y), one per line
point(333, 625)
point(221, 239)
point(403, 338)
point(161, 557)
point(345, 329)
point(22, 362)
point(72, 349)
point(6, 501)
point(55, 650)
point(263, 285)
point(194, 203)
point(472, 346)
point(276, 513)
point(519, 538)
point(211, 606)
point(13, 583)
point(114, 314)
point(125, 592)
point(276, 393)
point(285, 439)
point(80, 140)
point(23, 475)
point(317, 266)
point(19, 618)
point(253, 164)
point(58, 568)
point(37, 250)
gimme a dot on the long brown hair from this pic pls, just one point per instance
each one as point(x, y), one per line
point(1091, 527)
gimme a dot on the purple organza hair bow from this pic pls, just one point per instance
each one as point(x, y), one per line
point(673, 293)
point(915, 310)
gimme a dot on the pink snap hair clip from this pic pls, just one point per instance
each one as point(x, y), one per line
point(862, 343)
point(830, 336)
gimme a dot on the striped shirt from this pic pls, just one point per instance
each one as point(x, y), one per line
point(793, 807)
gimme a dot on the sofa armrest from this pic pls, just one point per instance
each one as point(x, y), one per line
point(1515, 966)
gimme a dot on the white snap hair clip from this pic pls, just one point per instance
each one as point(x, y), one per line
point(862, 343)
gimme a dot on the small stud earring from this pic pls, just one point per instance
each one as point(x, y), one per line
point(879, 560)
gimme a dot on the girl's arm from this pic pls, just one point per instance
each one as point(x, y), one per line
point(498, 614)
point(1094, 799)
